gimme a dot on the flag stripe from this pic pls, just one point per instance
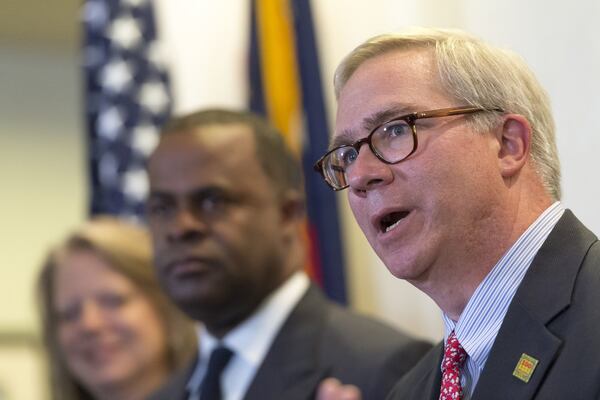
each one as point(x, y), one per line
point(283, 49)
point(257, 97)
point(322, 206)
point(279, 70)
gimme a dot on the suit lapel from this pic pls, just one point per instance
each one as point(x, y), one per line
point(432, 381)
point(424, 380)
point(176, 388)
point(291, 367)
point(520, 334)
point(544, 293)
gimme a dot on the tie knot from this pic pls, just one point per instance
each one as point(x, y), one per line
point(219, 358)
point(454, 353)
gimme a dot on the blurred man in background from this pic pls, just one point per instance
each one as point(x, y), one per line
point(225, 210)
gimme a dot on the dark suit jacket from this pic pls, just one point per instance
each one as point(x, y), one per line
point(554, 318)
point(318, 340)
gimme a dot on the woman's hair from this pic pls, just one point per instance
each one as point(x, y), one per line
point(126, 249)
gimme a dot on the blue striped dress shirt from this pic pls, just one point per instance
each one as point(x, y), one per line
point(481, 319)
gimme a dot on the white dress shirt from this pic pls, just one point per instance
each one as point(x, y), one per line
point(250, 341)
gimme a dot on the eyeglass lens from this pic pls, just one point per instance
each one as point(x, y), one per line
point(390, 142)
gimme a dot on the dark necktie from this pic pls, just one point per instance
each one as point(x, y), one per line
point(211, 385)
point(454, 358)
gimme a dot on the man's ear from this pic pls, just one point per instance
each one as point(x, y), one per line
point(292, 206)
point(514, 137)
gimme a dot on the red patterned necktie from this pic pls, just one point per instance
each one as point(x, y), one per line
point(454, 358)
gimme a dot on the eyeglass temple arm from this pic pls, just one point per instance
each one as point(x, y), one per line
point(446, 112)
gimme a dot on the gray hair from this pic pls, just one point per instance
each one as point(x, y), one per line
point(479, 75)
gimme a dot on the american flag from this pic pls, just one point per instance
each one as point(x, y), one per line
point(128, 99)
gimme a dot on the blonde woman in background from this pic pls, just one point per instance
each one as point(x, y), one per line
point(109, 330)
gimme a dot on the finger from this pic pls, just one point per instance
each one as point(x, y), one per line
point(328, 389)
point(332, 389)
point(349, 392)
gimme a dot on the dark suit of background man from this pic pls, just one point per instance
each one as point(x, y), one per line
point(225, 210)
point(470, 214)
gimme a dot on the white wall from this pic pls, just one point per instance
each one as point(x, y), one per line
point(42, 177)
point(42, 170)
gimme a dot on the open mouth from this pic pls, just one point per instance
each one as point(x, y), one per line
point(391, 220)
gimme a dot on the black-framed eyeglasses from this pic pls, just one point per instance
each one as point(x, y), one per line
point(391, 142)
